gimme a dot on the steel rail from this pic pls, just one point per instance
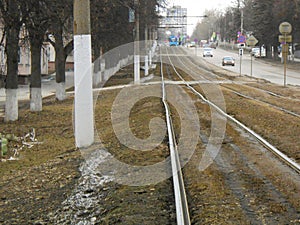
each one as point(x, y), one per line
point(269, 104)
point(182, 212)
point(290, 162)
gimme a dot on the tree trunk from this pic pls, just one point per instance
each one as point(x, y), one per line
point(268, 51)
point(12, 45)
point(35, 81)
point(275, 53)
point(60, 66)
point(97, 66)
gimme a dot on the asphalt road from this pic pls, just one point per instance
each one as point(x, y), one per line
point(267, 71)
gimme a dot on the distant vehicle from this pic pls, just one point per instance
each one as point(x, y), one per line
point(192, 44)
point(173, 40)
point(203, 43)
point(207, 52)
point(254, 51)
point(228, 60)
point(258, 52)
point(212, 45)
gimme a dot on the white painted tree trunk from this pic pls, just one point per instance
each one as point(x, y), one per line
point(61, 91)
point(137, 69)
point(146, 66)
point(35, 99)
point(11, 105)
point(150, 58)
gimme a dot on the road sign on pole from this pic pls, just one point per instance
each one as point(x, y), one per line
point(285, 28)
point(285, 38)
point(241, 39)
point(251, 41)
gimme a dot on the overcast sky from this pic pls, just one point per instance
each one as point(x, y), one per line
point(197, 8)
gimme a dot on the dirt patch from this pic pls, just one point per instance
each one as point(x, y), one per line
point(46, 186)
point(43, 175)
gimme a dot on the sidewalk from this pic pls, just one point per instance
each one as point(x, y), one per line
point(48, 88)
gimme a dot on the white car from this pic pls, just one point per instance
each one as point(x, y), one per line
point(192, 44)
point(207, 52)
point(258, 52)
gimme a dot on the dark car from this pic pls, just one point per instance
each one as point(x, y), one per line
point(228, 60)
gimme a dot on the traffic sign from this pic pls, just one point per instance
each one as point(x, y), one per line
point(285, 38)
point(241, 51)
point(241, 39)
point(251, 41)
point(285, 28)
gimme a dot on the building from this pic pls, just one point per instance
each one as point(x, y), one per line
point(174, 23)
point(24, 60)
point(177, 18)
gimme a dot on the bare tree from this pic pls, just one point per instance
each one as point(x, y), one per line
point(37, 23)
point(60, 28)
point(12, 17)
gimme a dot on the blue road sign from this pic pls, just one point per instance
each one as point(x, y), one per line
point(241, 39)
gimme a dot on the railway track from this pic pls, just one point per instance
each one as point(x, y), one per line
point(242, 183)
point(234, 183)
point(290, 162)
point(182, 211)
point(191, 66)
point(234, 177)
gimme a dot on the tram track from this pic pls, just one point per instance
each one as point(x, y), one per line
point(247, 178)
point(244, 184)
point(182, 212)
point(290, 162)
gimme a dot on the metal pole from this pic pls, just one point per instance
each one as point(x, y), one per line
point(242, 21)
point(84, 114)
point(242, 31)
point(251, 64)
point(240, 64)
point(285, 59)
point(241, 53)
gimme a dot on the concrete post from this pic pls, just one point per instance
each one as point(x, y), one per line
point(84, 112)
point(136, 45)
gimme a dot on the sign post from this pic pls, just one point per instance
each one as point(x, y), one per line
point(251, 41)
point(241, 40)
point(285, 28)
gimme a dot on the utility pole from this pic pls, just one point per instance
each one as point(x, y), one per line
point(84, 110)
point(242, 21)
point(146, 51)
point(241, 51)
point(136, 44)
